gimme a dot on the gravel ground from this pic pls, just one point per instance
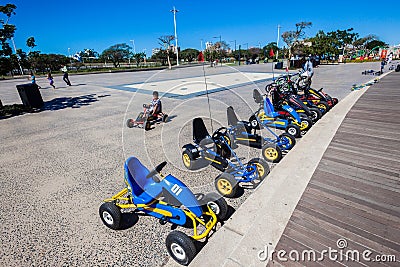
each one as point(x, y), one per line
point(57, 166)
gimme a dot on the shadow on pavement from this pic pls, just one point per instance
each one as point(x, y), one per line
point(59, 103)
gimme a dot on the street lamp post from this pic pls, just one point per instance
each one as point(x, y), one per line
point(277, 43)
point(174, 10)
point(134, 46)
point(220, 48)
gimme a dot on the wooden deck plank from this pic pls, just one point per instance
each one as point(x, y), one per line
point(355, 191)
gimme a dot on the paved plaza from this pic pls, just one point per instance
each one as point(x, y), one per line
point(57, 165)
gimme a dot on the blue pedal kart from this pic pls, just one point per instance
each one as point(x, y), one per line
point(266, 116)
point(241, 132)
point(168, 199)
point(217, 151)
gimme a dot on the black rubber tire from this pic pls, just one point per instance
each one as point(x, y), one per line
point(335, 101)
point(324, 105)
point(307, 121)
point(317, 114)
point(180, 247)
point(214, 198)
point(187, 154)
point(110, 215)
point(293, 130)
point(272, 153)
point(147, 125)
point(130, 123)
point(291, 138)
point(226, 181)
point(165, 118)
point(264, 165)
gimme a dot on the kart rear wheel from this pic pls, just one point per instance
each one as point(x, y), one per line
point(289, 140)
point(130, 123)
point(226, 185)
point(180, 247)
point(272, 153)
point(187, 159)
point(306, 123)
point(323, 105)
point(147, 125)
point(316, 114)
point(110, 214)
point(262, 167)
point(165, 118)
point(293, 130)
point(217, 204)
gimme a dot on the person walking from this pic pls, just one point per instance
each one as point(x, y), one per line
point(51, 80)
point(309, 69)
point(33, 80)
point(65, 75)
point(383, 65)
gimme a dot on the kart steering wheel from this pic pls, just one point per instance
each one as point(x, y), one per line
point(156, 170)
point(219, 132)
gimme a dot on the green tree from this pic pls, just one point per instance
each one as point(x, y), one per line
point(139, 57)
point(375, 43)
point(30, 42)
point(6, 34)
point(189, 54)
point(268, 47)
point(343, 38)
point(165, 41)
point(322, 44)
point(117, 53)
point(291, 38)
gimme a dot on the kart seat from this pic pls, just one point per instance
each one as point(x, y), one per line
point(234, 121)
point(269, 109)
point(258, 98)
point(143, 189)
point(199, 130)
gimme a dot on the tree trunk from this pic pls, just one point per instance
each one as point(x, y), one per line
point(169, 62)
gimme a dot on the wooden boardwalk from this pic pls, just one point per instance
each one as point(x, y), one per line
point(354, 193)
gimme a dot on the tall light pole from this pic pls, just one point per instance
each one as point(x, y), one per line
point(134, 46)
point(234, 41)
point(174, 10)
point(220, 48)
point(277, 42)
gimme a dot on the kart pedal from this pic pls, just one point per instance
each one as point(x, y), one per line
point(235, 160)
point(163, 220)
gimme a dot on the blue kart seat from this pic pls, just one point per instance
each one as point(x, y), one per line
point(144, 190)
point(269, 109)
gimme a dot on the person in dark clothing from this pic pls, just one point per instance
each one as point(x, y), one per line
point(65, 75)
point(383, 65)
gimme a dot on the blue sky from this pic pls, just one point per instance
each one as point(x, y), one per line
point(58, 25)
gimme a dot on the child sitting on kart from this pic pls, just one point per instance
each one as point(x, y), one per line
point(155, 105)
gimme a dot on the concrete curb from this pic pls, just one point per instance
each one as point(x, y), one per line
point(262, 218)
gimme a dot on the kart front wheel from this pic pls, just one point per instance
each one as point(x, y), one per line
point(147, 125)
point(306, 123)
point(217, 204)
point(293, 130)
point(180, 247)
point(130, 123)
point(262, 167)
point(164, 118)
point(323, 105)
point(287, 141)
point(272, 153)
point(226, 185)
point(316, 114)
point(110, 214)
point(187, 159)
